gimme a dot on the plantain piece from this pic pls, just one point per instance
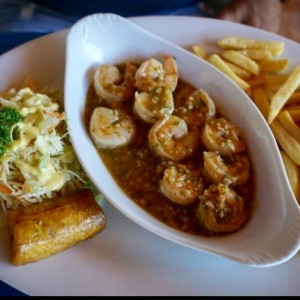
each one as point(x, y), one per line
point(44, 229)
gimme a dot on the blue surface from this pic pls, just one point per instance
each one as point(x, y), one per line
point(6, 290)
point(9, 40)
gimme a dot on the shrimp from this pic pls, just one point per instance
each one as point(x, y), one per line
point(154, 105)
point(181, 184)
point(222, 136)
point(232, 170)
point(111, 85)
point(197, 107)
point(221, 209)
point(171, 138)
point(110, 128)
point(152, 73)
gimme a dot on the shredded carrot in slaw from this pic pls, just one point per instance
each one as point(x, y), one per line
point(40, 162)
point(5, 190)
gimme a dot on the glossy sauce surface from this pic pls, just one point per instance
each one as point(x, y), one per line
point(138, 171)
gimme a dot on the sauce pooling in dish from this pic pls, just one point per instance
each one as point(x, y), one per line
point(169, 148)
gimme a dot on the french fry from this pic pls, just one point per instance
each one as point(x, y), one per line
point(269, 94)
point(241, 60)
point(295, 98)
point(273, 89)
point(235, 42)
point(292, 173)
point(273, 66)
point(271, 82)
point(240, 72)
point(257, 80)
point(275, 92)
point(274, 79)
point(261, 101)
point(291, 168)
point(287, 121)
point(257, 54)
point(219, 63)
point(284, 93)
point(198, 50)
point(294, 111)
point(286, 141)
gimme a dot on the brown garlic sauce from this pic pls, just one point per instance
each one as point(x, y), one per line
point(138, 171)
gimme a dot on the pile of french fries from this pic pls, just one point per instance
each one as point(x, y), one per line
point(258, 68)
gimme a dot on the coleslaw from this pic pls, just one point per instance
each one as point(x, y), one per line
point(39, 162)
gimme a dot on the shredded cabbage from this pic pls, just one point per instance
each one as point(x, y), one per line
point(40, 162)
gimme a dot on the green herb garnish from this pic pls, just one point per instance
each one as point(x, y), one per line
point(8, 117)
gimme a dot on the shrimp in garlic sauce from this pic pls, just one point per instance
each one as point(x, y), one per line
point(171, 138)
point(152, 74)
point(154, 105)
point(110, 128)
point(221, 209)
point(181, 184)
point(173, 153)
point(196, 107)
point(231, 170)
point(222, 136)
point(111, 85)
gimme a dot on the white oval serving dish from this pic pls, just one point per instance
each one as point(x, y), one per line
point(272, 235)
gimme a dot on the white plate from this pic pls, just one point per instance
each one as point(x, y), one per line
point(126, 259)
point(96, 39)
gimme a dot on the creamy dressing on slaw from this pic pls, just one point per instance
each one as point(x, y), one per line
point(39, 162)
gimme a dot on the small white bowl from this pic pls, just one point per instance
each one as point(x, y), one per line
point(272, 235)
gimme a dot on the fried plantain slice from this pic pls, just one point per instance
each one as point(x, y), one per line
point(44, 229)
